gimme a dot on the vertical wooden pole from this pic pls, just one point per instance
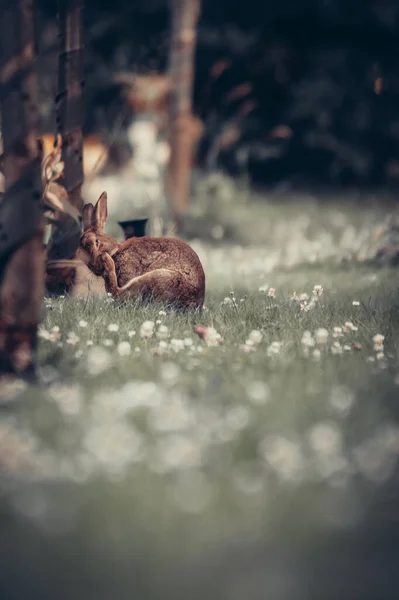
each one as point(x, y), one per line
point(184, 15)
point(69, 115)
point(21, 220)
point(147, 98)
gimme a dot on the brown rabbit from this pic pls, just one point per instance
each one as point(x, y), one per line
point(160, 268)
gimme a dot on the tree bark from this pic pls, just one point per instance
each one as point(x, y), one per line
point(69, 115)
point(21, 219)
point(185, 14)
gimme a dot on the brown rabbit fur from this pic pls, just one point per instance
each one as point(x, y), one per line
point(159, 268)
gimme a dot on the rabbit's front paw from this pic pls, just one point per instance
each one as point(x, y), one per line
point(108, 272)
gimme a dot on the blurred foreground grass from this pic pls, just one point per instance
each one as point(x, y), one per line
point(151, 463)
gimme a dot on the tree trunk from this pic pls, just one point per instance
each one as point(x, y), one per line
point(69, 111)
point(21, 220)
point(185, 14)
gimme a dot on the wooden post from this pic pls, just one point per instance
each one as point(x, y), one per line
point(147, 99)
point(21, 219)
point(69, 111)
point(76, 280)
point(185, 14)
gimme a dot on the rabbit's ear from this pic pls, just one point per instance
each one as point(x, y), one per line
point(87, 216)
point(100, 213)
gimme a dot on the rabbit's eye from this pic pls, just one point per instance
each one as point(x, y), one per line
point(97, 244)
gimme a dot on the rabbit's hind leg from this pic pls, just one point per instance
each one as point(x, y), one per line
point(165, 285)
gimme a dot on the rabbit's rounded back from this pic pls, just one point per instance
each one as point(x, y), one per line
point(139, 256)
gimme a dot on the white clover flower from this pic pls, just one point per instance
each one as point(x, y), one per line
point(379, 355)
point(177, 345)
point(178, 452)
point(123, 349)
point(162, 313)
point(308, 340)
point(316, 355)
point(336, 348)
point(284, 456)
point(174, 415)
point(108, 342)
point(227, 301)
point(147, 329)
point(98, 360)
point(255, 336)
point(271, 293)
point(162, 346)
point(248, 347)
point(263, 288)
point(55, 329)
point(83, 323)
point(131, 333)
point(52, 336)
point(304, 306)
point(113, 327)
point(317, 291)
point(325, 438)
point(89, 343)
point(67, 397)
point(337, 332)
point(163, 332)
point(321, 336)
point(72, 338)
point(355, 303)
point(378, 340)
point(303, 297)
point(274, 349)
point(342, 399)
point(349, 326)
point(212, 337)
point(170, 373)
point(258, 392)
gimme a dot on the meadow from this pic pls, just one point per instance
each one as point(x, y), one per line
point(219, 452)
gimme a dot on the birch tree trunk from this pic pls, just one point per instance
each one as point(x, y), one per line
point(21, 220)
point(184, 15)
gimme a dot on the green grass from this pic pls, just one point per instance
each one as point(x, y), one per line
point(173, 448)
point(217, 404)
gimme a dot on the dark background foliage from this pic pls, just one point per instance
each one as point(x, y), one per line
point(311, 65)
